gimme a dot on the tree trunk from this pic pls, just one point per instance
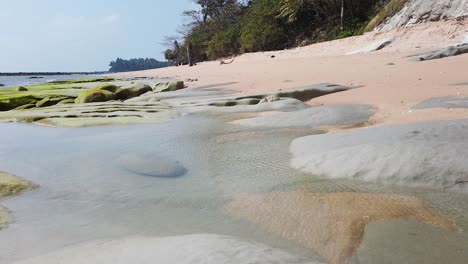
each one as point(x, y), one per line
point(190, 54)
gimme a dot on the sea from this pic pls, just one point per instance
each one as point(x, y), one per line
point(9, 81)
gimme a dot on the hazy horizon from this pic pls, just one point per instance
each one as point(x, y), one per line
point(70, 36)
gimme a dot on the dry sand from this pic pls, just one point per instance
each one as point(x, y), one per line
point(392, 89)
point(332, 224)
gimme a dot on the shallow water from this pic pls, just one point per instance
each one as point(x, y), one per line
point(86, 194)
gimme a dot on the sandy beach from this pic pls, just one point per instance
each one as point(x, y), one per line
point(390, 81)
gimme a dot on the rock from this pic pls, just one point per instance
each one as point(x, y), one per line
point(133, 91)
point(374, 46)
point(66, 101)
point(107, 87)
point(26, 106)
point(188, 249)
point(21, 89)
point(328, 115)
point(444, 102)
point(4, 219)
point(16, 100)
point(169, 86)
point(49, 101)
point(13, 185)
point(442, 53)
point(93, 96)
point(154, 166)
point(431, 155)
point(420, 11)
point(270, 99)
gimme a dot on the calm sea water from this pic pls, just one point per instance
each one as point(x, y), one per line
point(87, 195)
point(8, 81)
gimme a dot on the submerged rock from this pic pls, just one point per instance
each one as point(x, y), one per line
point(190, 249)
point(12, 185)
point(3, 217)
point(152, 166)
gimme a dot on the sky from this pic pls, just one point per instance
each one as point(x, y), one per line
point(84, 35)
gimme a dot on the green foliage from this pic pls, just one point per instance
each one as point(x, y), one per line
point(170, 55)
point(121, 65)
point(260, 29)
point(224, 43)
point(221, 28)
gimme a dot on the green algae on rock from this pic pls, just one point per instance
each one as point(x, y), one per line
point(94, 96)
point(22, 89)
point(49, 101)
point(13, 185)
point(9, 102)
point(3, 217)
point(169, 86)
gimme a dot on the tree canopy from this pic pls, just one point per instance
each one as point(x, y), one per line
point(121, 65)
point(223, 28)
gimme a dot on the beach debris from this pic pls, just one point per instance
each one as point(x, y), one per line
point(222, 62)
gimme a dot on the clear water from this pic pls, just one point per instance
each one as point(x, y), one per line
point(85, 194)
point(9, 81)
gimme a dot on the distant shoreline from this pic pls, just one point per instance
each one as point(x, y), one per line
point(49, 73)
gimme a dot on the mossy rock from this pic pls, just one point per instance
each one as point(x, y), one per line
point(66, 101)
point(10, 102)
point(84, 80)
point(169, 86)
point(13, 185)
point(26, 106)
point(107, 87)
point(22, 89)
point(49, 101)
point(94, 96)
point(133, 91)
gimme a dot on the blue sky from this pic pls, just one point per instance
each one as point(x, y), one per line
point(83, 35)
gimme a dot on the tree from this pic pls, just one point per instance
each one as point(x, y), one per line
point(121, 65)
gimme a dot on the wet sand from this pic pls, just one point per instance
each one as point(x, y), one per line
point(332, 224)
